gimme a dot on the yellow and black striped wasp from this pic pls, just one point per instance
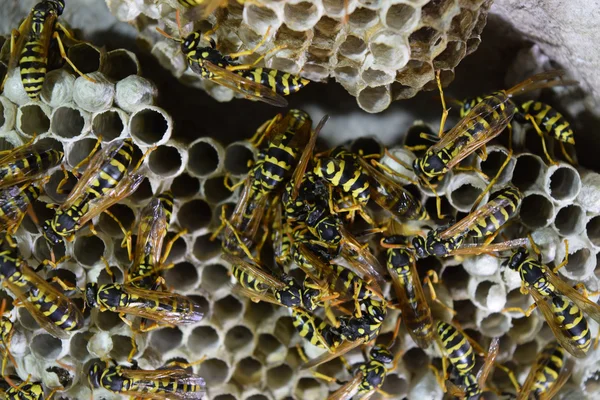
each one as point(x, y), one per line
point(6, 333)
point(456, 348)
point(549, 373)
point(483, 223)
point(26, 163)
point(15, 389)
point(51, 309)
point(563, 307)
point(315, 330)
point(15, 202)
point(544, 118)
point(105, 181)
point(256, 83)
point(30, 44)
point(170, 382)
point(149, 258)
point(369, 376)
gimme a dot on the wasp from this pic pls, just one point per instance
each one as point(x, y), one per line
point(24, 390)
point(416, 313)
point(29, 45)
point(315, 330)
point(456, 347)
point(15, 202)
point(544, 118)
point(52, 310)
point(161, 384)
point(256, 83)
point(105, 181)
point(152, 229)
point(486, 120)
point(482, 223)
point(548, 374)
point(24, 163)
point(562, 306)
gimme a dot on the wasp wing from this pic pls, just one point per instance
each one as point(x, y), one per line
point(306, 157)
point(13, 204)
point(147, 381)
point(488, 364)
point(339, 351)
point(250, 89)
point(255, 271)
point(24, 31)
point(348, 390)
point(585, 305)
point(475, 248)
point(152, 229)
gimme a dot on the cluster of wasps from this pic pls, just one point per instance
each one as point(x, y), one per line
point(321, 212)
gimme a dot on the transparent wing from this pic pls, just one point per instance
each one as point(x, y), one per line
point(362, 260)
point(306, 157)
point(466, 223)
point(254, 295)
point(146, 381)
point(25, 171)
point(91, 172)
point(587, 306)
point(151, 232)
point(255, 271)
point(161, 306)
point(563, 377)
point(348, 390)
point(339, 351)
point(539, 81)
point(60, 301)
point(204, 10)
point(244, 86)
point(559, 333)
point(475, 248)
point(488, 364)
point(126, 187)
point(12, 206)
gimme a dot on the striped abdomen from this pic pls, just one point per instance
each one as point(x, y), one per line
point(247, 280)
point(191, 3)
point(282, 83)
point(55, 310)
point(549, 120)
point(346, 175)
point(314, 329)
point(65, 223)
point(30, 166)
point(33, 64)
point(571, 320)
point(349, 283)
point(15, 201)
point(550, 364)
point(457, 348)
point(502, 206)
point(112, 171)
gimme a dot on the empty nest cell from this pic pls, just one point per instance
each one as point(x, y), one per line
point(227, 309)
point(204, 248)
point(88, 250)
point(33, 119)
point(120, 64)
point(182, 276)
point(205, 157)
point(374, 99)
point(194, 215)
point(214, 277)
point(86, 57)
point(123, 214)
point(563, 183)
point(166, 339)
point(178, 248)
point(214, 371)
point(203, 339)
point(301, 16)
point(109, 124)
point(569, 220)
point(215, 191)
point(68, 122)
point(537, 211)
point(150, 125)
point(46, 346)
point(184, 186)
point(238, 339)
point(165, 161)
point(248, 372)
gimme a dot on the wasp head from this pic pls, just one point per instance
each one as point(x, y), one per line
point(419, 244)
point(91, 294)
point(515, 261)
point(50, 234)
point(191, 42)
point(382, 354)
point(309, 297)
point(95, 373)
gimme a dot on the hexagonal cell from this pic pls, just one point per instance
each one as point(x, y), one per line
point(569, 220)
point(400, 16)
point(257, 313)
point(184, 186)
point(78, 346)
point(32, 120)
point(279, 376)
point(205, 248)
point(389, 49)
point(462, 24)
point(291, 38)
point(328, 26)
point(375, 77)
point(374, 99)
point(451, 56)
point(149, 125)
point(165, 161)
point(85, 56)
point(68, 122)
point(122, 347)
point(536, 211)
point(182, 276)
point(202, 303)
point(80, 150)
point(455, 279)
point(238, 338)
point(203, 339)
point(214, 371)
point(527, 171)
point(214, 277)
point(495, 324)
point(215, 190)
point(227, 309)
point(284, 330)
point(422, 41)
point(353, 47)
point(310, 388)
point(194, 215)
point(363, 18)
point(395, 384)
point(259, 17)
point(46, 346)
point(143, 192)
point(237, 157)
point(120, 64)
point(465, 311)
point(301, 16)
point(166, 339)
point(564, 184)
point(124, 215)
point(42, 252)
point(268, 345)
point(88, 250)
point(437, 10)
point(592, 229)
point(248, 371)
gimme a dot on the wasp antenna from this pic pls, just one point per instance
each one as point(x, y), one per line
point(165, 34)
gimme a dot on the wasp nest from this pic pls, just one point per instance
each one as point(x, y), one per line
point(387, 50)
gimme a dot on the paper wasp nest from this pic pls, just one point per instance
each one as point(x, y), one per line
point(387, 50)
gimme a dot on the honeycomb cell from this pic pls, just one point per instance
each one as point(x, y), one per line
point(26, 320)
point(310, 388)
point(120, 64)
point(464, 189)
point(78, 346)
point(88, 250)
point(362, 19)
point(215, 191)
point(166, 161)
point(86, 57)
point(375, 77)
point(185, 186)
point(495, 324)
point(301, 16)
point(94, 96)
point(227, 309)
point(462, 24)
point(166, 339)
point(528, 170)
point(260, 18)
point(284, 330)
point(375, 99)
point(237, 158)
point(436, 11)
point(279, 376)
point(182, 276)
point(42, 252)
point(400, 16)
point(537, 211)
point(33, 119)
point(389, 50)
point(214, 371)
point(248, 372)
point(353, 48)
point(143, 192)
point(592, 229)
point(569, 220)
point(109, 124)
point(496, 158)
point(203, 339)
point(205, 248)
point(46, 346)
point(107, 321)
point(68, 122)
point(526, 353)
point(333, 7)
point(178, 248)
point(395, 384)
point(58, 88)
point(400, 92)
point(238, 339)
point(451, 56)
point(525, 329)
point(214, 277)
point(79, 151)
point(122, 347)
point(315, 71)
point(194, 215)
point(150, 125)
point(563, 183)
point(269, 349)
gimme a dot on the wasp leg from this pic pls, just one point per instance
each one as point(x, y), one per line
point(440, 378)
point(254, 50)
point(170, 244)
point(492, 181)
point(65, 286)
point(54, 264)
point(444, 109)
point(139, 163)
point(526, 313)
point(186, 365)
point(531, 119)
point(126, 233)
point(81, 163)
point(419, 147)
point(511, 376)
point(431, 279)
point(243, 246)
point(63, 54)
point(63, 181)
point(220, 228)
point(230, 187)
point(471, 169)
point(566, 260)
point(567, 156)
point(19, 386)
